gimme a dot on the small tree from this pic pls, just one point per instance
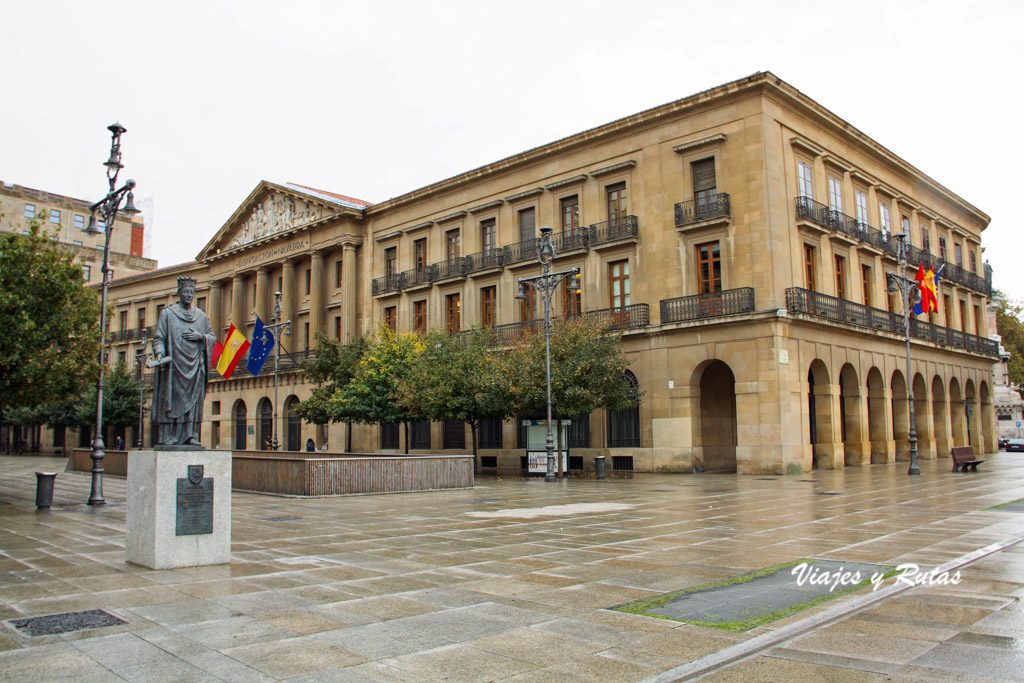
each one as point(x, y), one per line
point(332, 367)
point(49, 346)
point(458, 377)
point(587, 369)
point(120, 400)
point(1010, 321)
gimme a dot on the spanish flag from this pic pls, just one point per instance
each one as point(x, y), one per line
point(234, 349)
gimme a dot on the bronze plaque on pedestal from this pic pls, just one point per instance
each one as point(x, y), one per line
point(194, 504)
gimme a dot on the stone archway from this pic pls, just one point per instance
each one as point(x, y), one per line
point(293, 438)
point(972, 415)
point(988, 419)
point(882, 446)
point(900, 415)
point(856, 445)
point(240, 420)
point(826, 447)
point(718, 435)
point(265, 415)
point(940, 419)
point(922, 419)
point(956, 413)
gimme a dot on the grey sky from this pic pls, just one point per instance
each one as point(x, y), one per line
point(376, 99)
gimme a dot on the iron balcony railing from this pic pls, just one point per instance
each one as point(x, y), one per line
point(799, 300)
point(451, 268)
point(289, 363)
point(836, 221)
point(129, 335)
point(482, 260)
point(573, 238)
point(615, 229)
point(629, 317)
point(711, 305)
point(698, 210)
point(388, 283)
point(420, 276)
point(522, 251)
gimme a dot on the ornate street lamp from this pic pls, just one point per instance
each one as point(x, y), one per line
point(968, 411)
point(140, 358)
point(545, 284)
point(107, 208)
point(906, 287)
point(275, 326)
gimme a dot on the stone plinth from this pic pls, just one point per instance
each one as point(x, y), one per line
point(167, 521)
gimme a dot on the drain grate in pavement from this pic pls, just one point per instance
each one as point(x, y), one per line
point(826, 493)
point(67, 622)
point(285, 518)
point(742, 602)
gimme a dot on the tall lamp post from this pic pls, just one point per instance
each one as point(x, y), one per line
point(107, 208)
point(968, 411)
point(140, 358)
point(906, 287)
point(545, 284)
point(275, 326)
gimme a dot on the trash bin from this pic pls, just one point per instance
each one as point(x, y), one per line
point(599, 466)
point(44, 489)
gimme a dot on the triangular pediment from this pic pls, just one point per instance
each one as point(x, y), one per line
point(273, 210)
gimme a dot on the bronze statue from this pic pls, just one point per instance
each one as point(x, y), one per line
point(182, 347)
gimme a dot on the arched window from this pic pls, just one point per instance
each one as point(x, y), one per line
point(266, 423)
point(294, 425)
point(624, 425)
point(240, 426)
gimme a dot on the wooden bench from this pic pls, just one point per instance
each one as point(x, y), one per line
point(963, 456)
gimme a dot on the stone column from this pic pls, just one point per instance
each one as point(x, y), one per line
point(348, 294)
point(214, 311)
point(262, 295)
point(238, 302)
point(924, 424)
point(288, 293)
point(829, 451)
point(316, 297)
point(883, 448)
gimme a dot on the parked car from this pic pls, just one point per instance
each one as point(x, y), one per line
point(1002, 443)
point(1015, 446)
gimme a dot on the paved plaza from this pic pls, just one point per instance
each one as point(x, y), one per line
point(513, 580)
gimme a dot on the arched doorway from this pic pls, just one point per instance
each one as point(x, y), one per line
point(940, 421)
point(718, 417)
point(294, 441)
point(972, 415)
point(856, 448)
point(881, 450)
point(956, 413)
point(819, 417)
point(624, 425)
point(988, 419)
point(266, 413)
point(900, 415)
point(240, 427)
point(922, 423)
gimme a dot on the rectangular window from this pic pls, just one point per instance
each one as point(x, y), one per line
point(80, 222)
point(959, 252)
point(451, 239)
point(159, 309)
point(391, 318)
point(30, 211)
point(122, 356)
point(942, 248)
point(905, 224)
point(101, 225)
point(201, 304)
point(809, 267)
point(337, 275)
point(527, 224)
point(489, 235)
point(972, 261)
point(389, 435)
point(391, 261)
point(862, 208)
point(865, 282)
point(420, 253)
point(840, 277)
point(309, 281)
point(616, 202)
point(141, 317)
point(124, 320)
point(570, 212)
point(618, 275)
point(704, 187)
point(305, 336)
point(86, 272)
point(805, 181)
point(709, 268)
point(488, 298)
point(977, 320)
point(572, 301)
point(110, 275)
point(528, 305)
point(947, 307)
point(419, 316)
point(926, 239)
point(77, 243)
point(337, 327)
point(453, 313)
point(55, 216)
point(835, 193)
point(885, 217)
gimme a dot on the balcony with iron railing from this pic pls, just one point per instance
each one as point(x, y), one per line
point(388, 283)
point(700, 210)
point(626, 227)
point(289, 363)
point(836, 221)
point(485, 260)
point(634, 316)
point(804, 301)
point(710, 305)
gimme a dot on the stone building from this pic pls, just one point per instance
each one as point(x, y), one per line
point(739, 238)
point(1009, 405)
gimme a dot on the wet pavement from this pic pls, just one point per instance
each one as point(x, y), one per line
point(514, 580)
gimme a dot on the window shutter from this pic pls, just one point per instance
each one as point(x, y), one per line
point(527, 225)
point(703, 175)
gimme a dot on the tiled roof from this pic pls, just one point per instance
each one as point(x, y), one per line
point(334, 195)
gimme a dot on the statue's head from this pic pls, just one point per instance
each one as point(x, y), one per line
point(186, 289)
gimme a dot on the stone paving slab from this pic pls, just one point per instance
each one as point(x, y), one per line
point(411, 587)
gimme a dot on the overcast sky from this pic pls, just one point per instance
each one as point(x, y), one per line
point(375, 99)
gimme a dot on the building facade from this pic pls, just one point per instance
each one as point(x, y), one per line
point(740, 239)
point(1009, 405)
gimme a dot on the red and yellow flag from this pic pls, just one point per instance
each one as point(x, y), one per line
point(234, 349)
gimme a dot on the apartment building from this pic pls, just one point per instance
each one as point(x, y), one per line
point(739, 239)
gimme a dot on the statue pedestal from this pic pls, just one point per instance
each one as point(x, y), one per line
point(179, 508)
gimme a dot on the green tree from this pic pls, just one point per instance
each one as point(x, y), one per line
point(587, 368)
point(49, 344)
point(458, 377)
point(332, 367)
point(120, 400)
point(1010, 321)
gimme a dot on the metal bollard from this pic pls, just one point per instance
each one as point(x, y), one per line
point(44, 489)
point(599, 466)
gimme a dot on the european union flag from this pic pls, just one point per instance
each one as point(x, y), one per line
point(262, 345)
